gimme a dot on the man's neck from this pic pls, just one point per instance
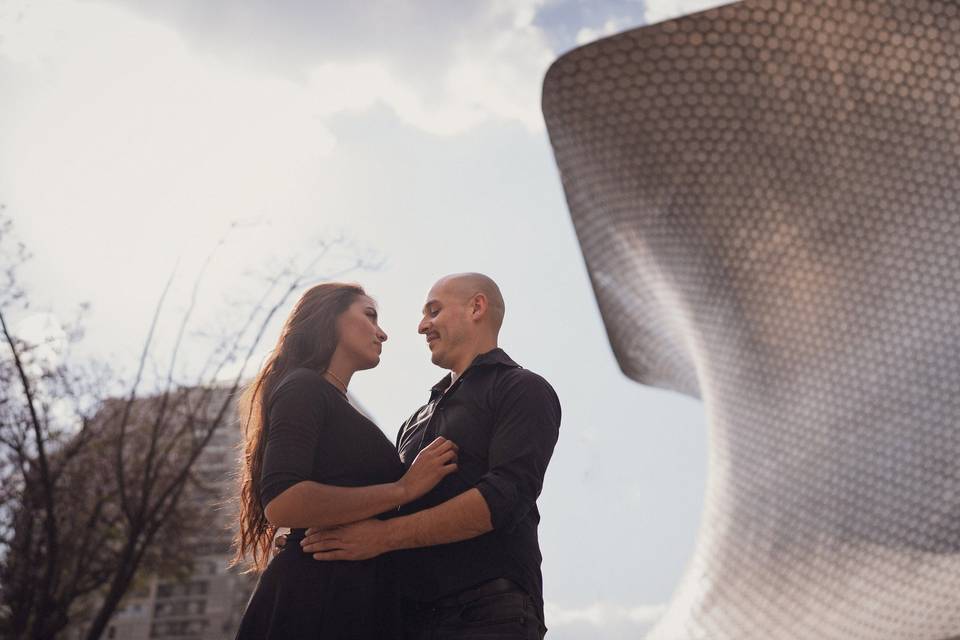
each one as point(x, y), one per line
point(465, 363)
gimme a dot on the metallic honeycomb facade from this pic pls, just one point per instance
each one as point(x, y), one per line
point(767, 197)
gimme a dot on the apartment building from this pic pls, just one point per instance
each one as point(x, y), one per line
point(206, 598)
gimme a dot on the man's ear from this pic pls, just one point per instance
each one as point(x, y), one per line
point(478, 306)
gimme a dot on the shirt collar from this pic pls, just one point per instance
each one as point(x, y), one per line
point(491, 358)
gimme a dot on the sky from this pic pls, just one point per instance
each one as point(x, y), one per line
point(141, 139)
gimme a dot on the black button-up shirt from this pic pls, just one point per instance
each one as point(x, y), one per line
point(505, 420)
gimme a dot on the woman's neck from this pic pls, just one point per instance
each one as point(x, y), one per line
point(339, 375)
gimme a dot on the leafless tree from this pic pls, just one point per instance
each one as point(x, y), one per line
point(92, 485)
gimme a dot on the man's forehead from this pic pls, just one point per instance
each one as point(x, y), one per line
point(439, 291)
point(432, 299)
point(450, 288)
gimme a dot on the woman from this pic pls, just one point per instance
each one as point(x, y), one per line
point(312, 460)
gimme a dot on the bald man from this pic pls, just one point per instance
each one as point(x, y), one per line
point(468, 556)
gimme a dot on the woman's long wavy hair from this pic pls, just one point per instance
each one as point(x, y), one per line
point(308, 339)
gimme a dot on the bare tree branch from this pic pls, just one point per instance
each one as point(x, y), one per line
point(98, 484)
point(50, 521)
point(121, 475)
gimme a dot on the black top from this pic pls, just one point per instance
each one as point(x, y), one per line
point(505, 420)
point(313, 433)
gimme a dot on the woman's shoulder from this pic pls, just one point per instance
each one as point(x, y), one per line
point(301, 381)
point(300, 375)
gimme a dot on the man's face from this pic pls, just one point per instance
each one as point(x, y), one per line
point(446, 324)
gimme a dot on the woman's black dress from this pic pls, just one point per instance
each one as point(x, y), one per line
point(313, 433)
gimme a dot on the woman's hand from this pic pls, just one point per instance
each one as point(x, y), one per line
point(435, 462)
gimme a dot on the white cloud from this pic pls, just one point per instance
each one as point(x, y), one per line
point(611, 26)
point(120, 116)
point(492, 72)
point(602, 620)
point(444, 69)
point(660, 10)
point(122, 149)
point(125, 145)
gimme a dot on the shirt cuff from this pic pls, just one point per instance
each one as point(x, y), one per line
point(503, 501)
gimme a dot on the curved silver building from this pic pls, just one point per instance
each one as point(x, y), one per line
point(767, 196)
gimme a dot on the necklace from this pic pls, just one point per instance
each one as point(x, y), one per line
point(337, 378)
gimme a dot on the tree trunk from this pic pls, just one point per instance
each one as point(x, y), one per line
point(118, 587)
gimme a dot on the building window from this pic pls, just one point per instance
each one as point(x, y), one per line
point(173, 590)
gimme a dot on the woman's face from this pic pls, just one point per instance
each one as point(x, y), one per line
point(361, 338)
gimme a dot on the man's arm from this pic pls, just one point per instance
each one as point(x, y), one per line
point(462, 517)
point(527, 424)
point(523, 442)
point(459, 518)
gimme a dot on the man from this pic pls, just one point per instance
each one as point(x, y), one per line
point(469, 558)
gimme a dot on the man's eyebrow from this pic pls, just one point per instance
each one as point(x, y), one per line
point(429, 302)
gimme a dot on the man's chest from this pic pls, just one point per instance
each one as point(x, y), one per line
point(465, 418)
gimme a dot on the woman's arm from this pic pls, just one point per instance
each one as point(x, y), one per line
point(312, 504)
point(308, 503)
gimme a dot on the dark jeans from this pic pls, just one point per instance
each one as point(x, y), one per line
point(496, 609)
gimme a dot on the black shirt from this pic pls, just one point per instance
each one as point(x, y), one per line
point(505, 420)
point(315, 434)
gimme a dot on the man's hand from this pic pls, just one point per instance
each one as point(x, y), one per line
point(358, 541)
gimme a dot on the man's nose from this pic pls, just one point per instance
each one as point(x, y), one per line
point(423, 326)
point(381, 334)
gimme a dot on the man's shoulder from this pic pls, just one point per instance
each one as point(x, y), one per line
point(507, 370)
point(525, 381)
point(522, 375)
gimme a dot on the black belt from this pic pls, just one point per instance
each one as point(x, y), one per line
point(489, 588)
